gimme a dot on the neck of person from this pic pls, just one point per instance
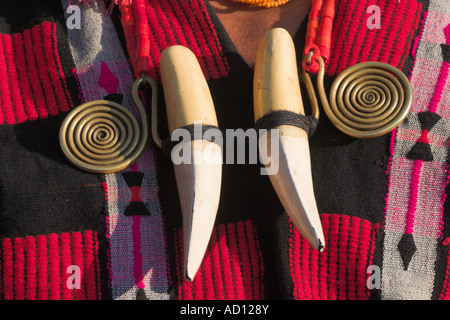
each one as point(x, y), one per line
point(246, 24)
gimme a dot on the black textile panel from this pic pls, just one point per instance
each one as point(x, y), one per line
point(40, 191)
point(351, 178)
point(16, 16)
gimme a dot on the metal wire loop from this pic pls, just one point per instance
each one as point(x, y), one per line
point(103, 136)
point(366, 100)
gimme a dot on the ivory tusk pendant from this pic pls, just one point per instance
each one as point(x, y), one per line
point(276, 88)
point(188, 101)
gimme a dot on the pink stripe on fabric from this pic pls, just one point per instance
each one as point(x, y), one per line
point(388, 169)
point(413, 181)
point(443, 199)
point(14, 84)
point(414, 189)
point(447, 34)
point(137, 256)
point(442, 107)
point(441, 80)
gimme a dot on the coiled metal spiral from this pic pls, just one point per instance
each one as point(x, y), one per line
point(366, 100)
point(103, 136)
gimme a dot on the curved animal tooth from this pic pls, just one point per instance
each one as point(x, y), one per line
point(188, 101)
point(276, 87)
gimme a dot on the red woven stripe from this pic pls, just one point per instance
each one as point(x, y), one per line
point(294, 255)
point(27, 95)
point(225, 262)
point(354, 27)
point(5, 91)
point(32, 82)
point(191, 37)
point(162, 19)
point(340, 271)
point(204, 37)
point(314, 271)
point(256, 260)
point(166, 11)
point(366, 49)
point(207, 275)
point(66, 261)
point(17, 102)
point(215, 46)
point(197, 288)
point(387, 32)
point(305, 251)
point(36, 267)
point(8, 269)
point(359, 41)
point(42, 267)
point(19, 269)
point(54, 69)
point(343, 20)
point(342, 257)
point(396, 33)
point(365, 241)
point(90, 274)
point(333, 244)
point(34, 75)
point(67, 104)
point(54, 267)
point(355, 42)
point(414, 9)
point(235, 265)
point(158, 40)
point(324, 267)
point(227, 271)
point(217, 266)
point(31, 268)
point(38, 35)
point(352, 257)
point(165, 21)
point(97, 267)
point(171, 37)
point(244, 255)
point(77, 249)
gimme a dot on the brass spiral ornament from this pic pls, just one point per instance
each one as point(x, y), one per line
point(103, 136)
point(366, 100)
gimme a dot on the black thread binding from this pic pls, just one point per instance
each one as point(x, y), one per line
point(283, 117)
